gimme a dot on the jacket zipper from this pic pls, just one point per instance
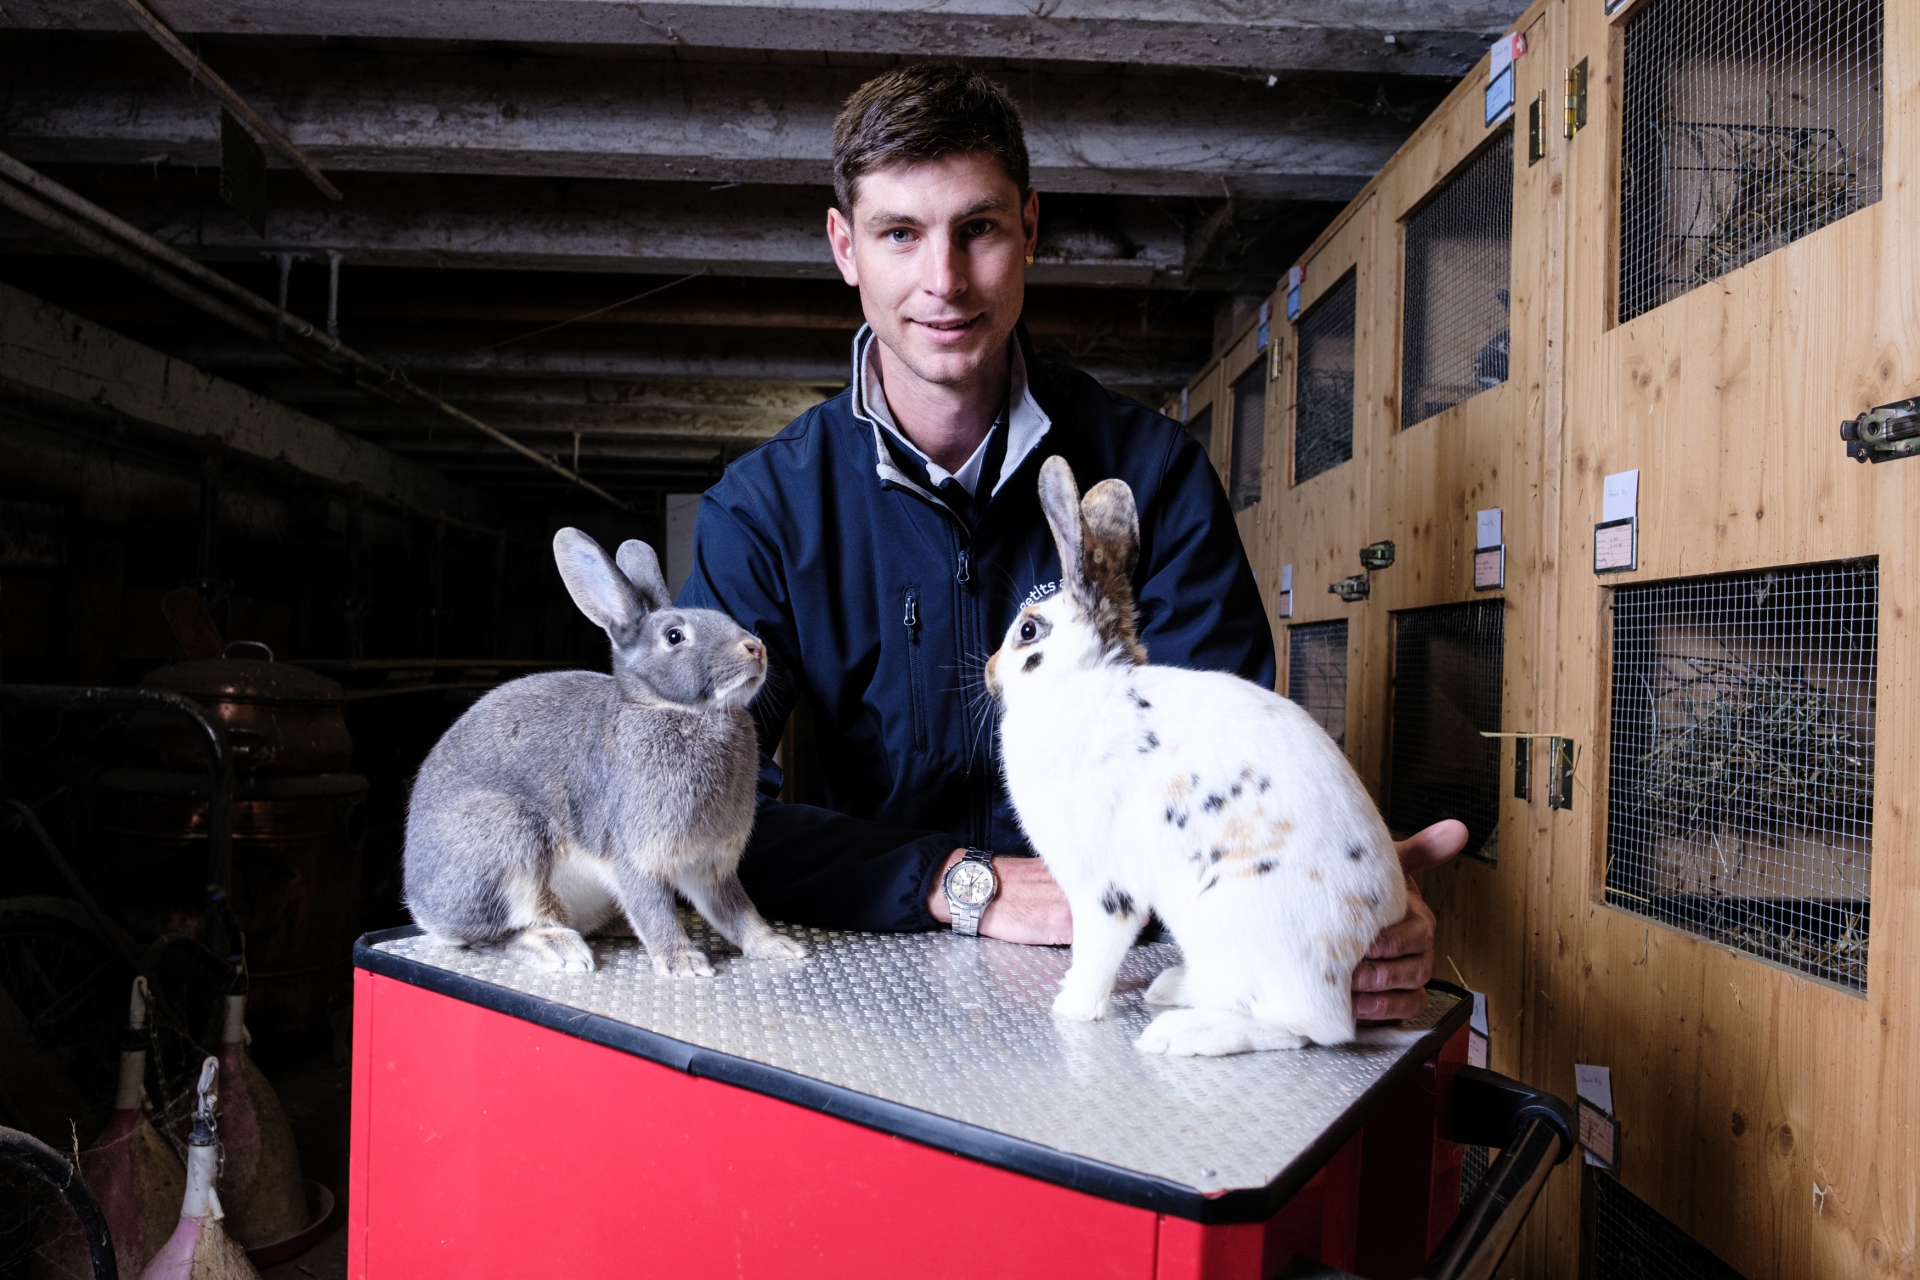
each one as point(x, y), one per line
point(916, 668)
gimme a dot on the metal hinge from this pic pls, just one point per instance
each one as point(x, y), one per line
point(1376, 555)
point(1576, 97)
point(1358, 587)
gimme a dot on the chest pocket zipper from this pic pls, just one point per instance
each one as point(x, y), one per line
point(916, 667)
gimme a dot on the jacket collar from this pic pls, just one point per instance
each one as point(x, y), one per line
point(1026, 422)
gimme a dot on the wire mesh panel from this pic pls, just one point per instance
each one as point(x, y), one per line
point(1249, 434)
point(1473, 1167)
point(1200, 427)
point(1744, 126)
point(1317, 673)
point(1454, 340)
point(1323, 383)
point(1740, 801)
point(1632, 1242)
point(1446, 693)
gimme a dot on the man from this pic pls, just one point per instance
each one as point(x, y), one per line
point(882, 543)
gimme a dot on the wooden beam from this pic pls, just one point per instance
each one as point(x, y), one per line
point(54, 357)
point(1418, 37)
point(1110, 132)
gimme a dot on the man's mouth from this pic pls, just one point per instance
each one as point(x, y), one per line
point(948, 330)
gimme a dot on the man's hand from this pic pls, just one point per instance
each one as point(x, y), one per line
point(1029, 908)
point(1390, 983)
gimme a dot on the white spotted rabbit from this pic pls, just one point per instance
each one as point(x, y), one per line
point(1201, 797)
point(560, 797)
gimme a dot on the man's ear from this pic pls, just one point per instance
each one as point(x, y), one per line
point(1030, 221)
point(840, 238)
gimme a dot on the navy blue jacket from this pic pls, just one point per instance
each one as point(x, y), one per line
point(880, 603)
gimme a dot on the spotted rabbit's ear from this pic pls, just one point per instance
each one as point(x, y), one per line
point(1060, 499)
point(1113, 531)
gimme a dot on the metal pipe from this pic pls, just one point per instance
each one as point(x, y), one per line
point(389, 384)
point(164, 37)
point(1479, 1239)
point(219, 756)
point(24, 1151)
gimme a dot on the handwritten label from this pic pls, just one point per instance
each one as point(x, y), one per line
point(1599, 1130)
point(1621, 497)
point(1616, 546)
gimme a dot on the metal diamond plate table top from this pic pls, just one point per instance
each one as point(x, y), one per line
point(961, 1028)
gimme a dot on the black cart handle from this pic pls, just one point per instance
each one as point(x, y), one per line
point(1534, 1131)
point(24, 1151)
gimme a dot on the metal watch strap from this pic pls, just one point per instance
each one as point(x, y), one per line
point(966, 920)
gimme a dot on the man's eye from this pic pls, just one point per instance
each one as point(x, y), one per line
point(1028, 631)
point(899, 235)
point(676, 636)
point(977, 228)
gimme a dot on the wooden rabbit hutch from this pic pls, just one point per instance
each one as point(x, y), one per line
point(1630, 317)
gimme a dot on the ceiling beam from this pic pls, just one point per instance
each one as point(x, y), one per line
point(666, 121)
point(600, 227)
point(1417, 37)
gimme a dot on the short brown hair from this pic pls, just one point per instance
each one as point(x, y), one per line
point(927, 111)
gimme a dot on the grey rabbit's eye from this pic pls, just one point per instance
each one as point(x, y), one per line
point(676, 636)
point(1028, 632)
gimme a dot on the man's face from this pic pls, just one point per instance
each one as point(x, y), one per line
point(938, 250)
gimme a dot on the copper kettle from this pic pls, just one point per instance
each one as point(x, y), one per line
point(279, 718)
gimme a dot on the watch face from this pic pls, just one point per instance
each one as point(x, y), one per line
point(970, 884)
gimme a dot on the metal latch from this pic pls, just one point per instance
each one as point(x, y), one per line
point(1561, 757)
point(1376, 555)
point(1888, 432)
point(1358, 587)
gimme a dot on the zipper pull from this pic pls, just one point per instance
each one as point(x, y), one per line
point(912, 619)
point(965, 575)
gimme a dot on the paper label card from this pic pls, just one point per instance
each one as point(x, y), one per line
point(1286, 577)
point(1616, 546)
point(1600, 1136)
point(1490, 569)
point(1284, 606)
point(1479, 1037)
point(1476, 1050)
point(1621, 497)
point(1500, 97)
point(1486, 528)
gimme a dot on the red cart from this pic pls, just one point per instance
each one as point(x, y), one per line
point(896, 1105)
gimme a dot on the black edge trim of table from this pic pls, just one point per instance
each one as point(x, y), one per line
point(1017, 1155)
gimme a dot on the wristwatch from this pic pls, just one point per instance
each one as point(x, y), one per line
point(970, 884)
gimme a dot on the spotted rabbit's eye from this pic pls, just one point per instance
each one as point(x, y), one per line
point(676, 636)
point(1029, 632)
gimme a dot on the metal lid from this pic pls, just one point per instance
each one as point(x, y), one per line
point(244, 679)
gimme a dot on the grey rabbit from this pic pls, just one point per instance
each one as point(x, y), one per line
point(561, 796)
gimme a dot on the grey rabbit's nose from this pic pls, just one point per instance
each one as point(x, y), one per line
point(753, 647)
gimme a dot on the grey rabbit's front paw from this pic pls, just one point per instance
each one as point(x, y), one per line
point(682, 962)
point(554, 949)
point(772, 946)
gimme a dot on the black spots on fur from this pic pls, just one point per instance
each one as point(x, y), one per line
point(1263, 866)
point(1234, 791)
point(1373, 900)
point(1356, 852)
point(1209, 884)
point(1331, 978)
point(1033, 660)
point(1214, 802)
point(1178, 815)
point(1117, 902)
point(1133, 696)
point(1216, 853)
point(1149, 742)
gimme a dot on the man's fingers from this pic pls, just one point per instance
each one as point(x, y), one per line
point(1433, 846)
point(1411, 935)
point(1391, 1006)
point(1407, 973)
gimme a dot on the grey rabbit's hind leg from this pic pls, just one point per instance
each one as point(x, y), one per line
point(513, 911)
point(648, 903)
point(725, 905)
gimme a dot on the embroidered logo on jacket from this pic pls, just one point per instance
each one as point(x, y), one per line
point(1041, 591)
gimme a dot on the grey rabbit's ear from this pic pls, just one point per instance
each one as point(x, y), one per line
point(1060, 499)
point(642, 567)
point(596, 585)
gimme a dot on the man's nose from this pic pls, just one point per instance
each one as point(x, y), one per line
point(946, 270)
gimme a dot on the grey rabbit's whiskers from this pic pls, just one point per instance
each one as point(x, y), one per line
point(562, 799)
